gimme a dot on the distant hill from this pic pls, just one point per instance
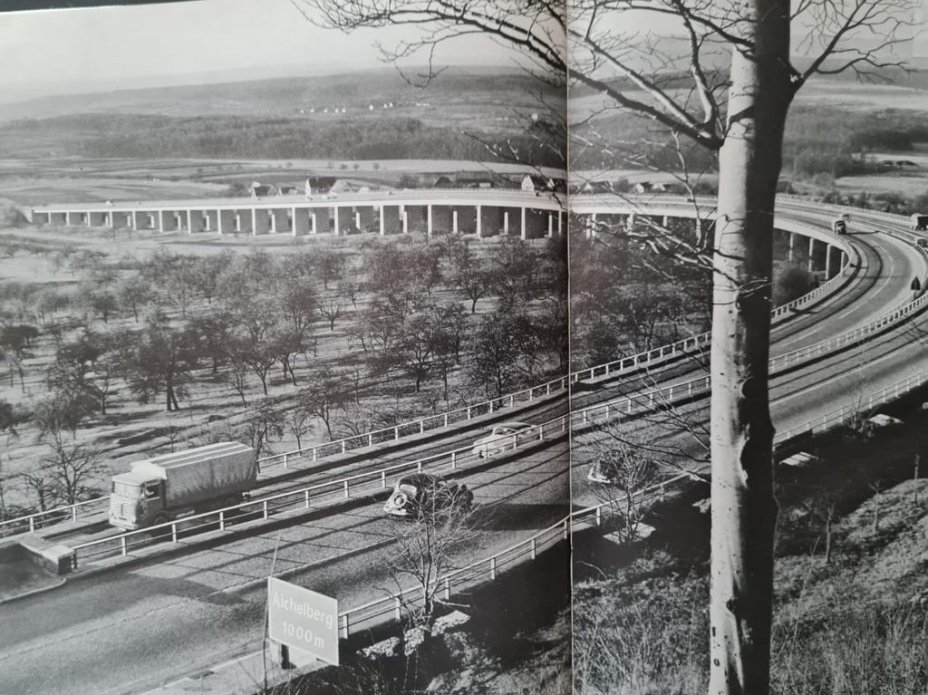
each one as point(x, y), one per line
point(287, 97)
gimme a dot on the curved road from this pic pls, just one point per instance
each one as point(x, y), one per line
point(130, 628)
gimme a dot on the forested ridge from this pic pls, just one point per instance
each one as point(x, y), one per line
point(371, 138)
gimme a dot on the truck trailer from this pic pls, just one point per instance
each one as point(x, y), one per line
point(163, 488)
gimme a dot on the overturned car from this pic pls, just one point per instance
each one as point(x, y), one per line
point(422, 494)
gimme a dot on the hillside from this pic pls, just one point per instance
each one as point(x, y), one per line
point(850, 587)
point(295, 96)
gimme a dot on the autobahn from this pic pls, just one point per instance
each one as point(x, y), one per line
point(198, 605)
point(839, 375)
point(788, 334)
point(883, 291)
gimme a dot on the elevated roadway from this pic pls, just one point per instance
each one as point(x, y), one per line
point(828, 373)
point(134, 626)
point(196, 606)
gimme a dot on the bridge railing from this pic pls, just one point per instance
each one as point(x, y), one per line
point(82, 510)
point(850, 337)
point(75, 512)
point(30, 523)
point(414, 427)
point(864, 405)
point(817, 425)
point(319, 495)
point(485, 570)
point(666, 353)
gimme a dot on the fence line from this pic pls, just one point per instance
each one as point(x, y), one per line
point(74, 512)
point(314, 496)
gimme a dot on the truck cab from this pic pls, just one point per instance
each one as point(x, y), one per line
point(169, 486)
point(136, 499)
point(918, 222)
point(839, 226)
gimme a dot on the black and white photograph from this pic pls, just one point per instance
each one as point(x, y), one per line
point(464, 346)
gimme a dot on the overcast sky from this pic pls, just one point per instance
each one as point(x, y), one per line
point(73, 51)
point(88, 49)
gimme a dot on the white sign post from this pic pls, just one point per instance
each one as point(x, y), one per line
point(303, 620)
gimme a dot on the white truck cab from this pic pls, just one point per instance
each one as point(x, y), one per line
point(160, 489)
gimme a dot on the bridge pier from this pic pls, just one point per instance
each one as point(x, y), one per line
point(321, 221)
point(210, 221)
point(491, 220)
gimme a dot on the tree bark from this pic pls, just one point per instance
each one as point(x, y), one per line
point(743, 506)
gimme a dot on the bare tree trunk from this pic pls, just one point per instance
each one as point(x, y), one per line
point(743, 507)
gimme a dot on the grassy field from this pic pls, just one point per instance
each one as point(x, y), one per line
point(67, 263)
point(27, 181)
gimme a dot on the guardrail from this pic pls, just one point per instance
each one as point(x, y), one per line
point(320, 495)
point(851, 337)
point(670, 352)
point(667, 394)
point(74, 512)
point(628, 364)
point(844, 413)
point(391, 607)
point(70, 512)
point(415, 427)
point(817, 425)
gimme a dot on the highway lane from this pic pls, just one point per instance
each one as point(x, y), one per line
point(798, 395)
point(303, 473)
point(883, 286)
point(854, 305)
point(132, 628)
point(890, 255)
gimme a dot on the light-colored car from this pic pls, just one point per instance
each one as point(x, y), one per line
point(426, 495)
point(505, 436)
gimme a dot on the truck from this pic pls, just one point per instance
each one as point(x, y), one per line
point(160, 489)
point(918, 222)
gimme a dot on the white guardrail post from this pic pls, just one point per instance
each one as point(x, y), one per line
point(630, 362)
point(300, 499)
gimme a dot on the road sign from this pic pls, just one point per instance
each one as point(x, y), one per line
point(303, 619)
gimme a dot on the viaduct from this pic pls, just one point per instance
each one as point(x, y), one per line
point(479, 213)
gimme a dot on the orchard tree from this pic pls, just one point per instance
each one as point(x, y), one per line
point(133, 293)
point(739, 114)
point(161, 362)
point(324, 397)
point(70, 466)
point(472, 280)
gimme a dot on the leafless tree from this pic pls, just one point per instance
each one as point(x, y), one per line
point(331, 308)
point(627, 471)
point(738, 113)
point(262, 424)
point(426, 548)
point(296, 421)
point(324, 397)
point(70, 466)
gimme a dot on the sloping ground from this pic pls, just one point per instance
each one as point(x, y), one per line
point(854, 624)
